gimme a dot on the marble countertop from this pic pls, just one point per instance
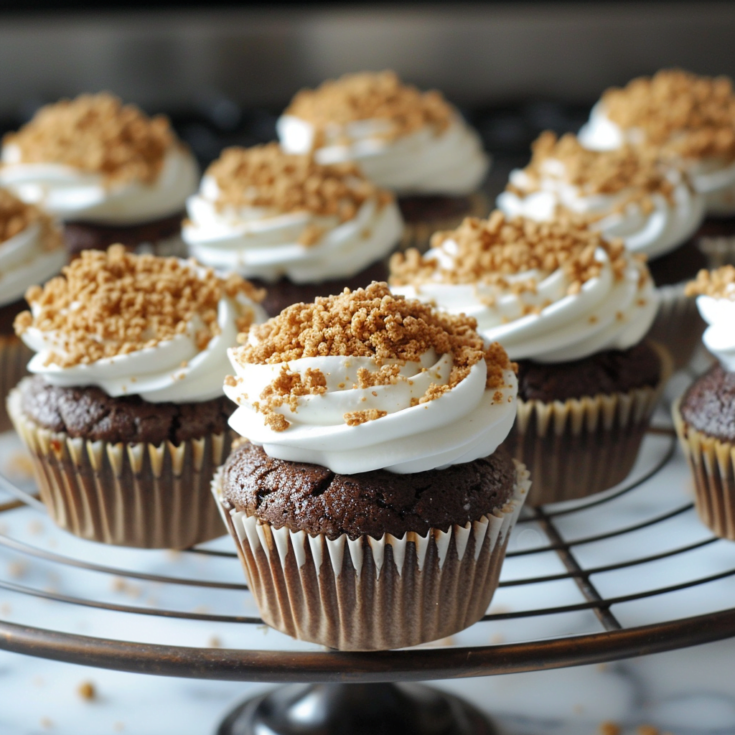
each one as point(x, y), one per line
point(687, 692)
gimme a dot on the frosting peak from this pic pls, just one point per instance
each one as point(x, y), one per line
point(366, 380)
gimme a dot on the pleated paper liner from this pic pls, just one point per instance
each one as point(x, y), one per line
point(139, 495)
point(579, 447)
point(712, 463)
point(678, 325)
point(418, 234)
point(14, 356)
point(373, 594)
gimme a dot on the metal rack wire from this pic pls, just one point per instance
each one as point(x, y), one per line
point(615, 641)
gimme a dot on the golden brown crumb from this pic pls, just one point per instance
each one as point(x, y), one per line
point(371, 96)
point(355, 418)
point(265, 176)
point(47, 723)
point(16, 216)
point(214, 642)
point(113, 303)
point(636, 170)
point(96, 133)
point(368, 322)
point(648, 730)
point(86, 690)
point(609, 728)
point(682, 113)
point(719, 284)
point(488, 251)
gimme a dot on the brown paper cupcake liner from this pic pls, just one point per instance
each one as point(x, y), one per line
point(712, 463)
point(373, 594)
point(418, 234)
point(14, 357)
point(140, 495)
point(678, 325)
point(583, 446)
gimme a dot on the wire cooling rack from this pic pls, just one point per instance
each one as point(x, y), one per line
point(638, 574)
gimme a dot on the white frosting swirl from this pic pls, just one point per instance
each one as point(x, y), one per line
point(24, 262)
point(174, 370)
point(263, 243)
point(713, 178)
point(466, 423)
point(606, 314)
point(719, 337)
point(670, 222)
point(451, 162)
point(75, 195)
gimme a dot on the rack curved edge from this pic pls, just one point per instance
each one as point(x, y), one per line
point(377, 666)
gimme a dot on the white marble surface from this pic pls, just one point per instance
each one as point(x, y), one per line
point(688, 692)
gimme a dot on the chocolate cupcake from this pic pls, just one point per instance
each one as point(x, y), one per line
point(371, 507)
point(705, 415)
point(125, 419)
point(629, 193)
point(285, 221)
point(31, 250)
point(411, 142)
point(109, 172)
point(689, 119)
point(573, 309)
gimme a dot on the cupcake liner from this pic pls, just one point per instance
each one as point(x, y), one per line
point(135, 494)
point(418, 234)
point(373, 594)
point(14, 357)
point(712, 463)
point(585, 445)
point(678, 325)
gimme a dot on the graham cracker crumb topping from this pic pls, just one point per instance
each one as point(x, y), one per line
point(719, 284)
point(16, 216)
point(638, 169)
point(368, 322)
point(686, 114)
point(371, 96)
point(97, 133)
point(488, 251)
point(266, 176)
point(108, 304)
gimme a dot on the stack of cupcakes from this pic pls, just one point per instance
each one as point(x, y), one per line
point(110, 173)
point(573, 308)
point(631, 193)
point(411, 142)
point(371, 506)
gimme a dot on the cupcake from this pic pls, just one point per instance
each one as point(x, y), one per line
point(411, 142)
point(302, 228)
point(690, 119)
point(364, 521)
point(109, 172)
point(705, 415)
point(124, 416)
point(31, 251)
point(572, 308)
point(628, 193)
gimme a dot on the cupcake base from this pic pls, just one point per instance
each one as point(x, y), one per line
point(284, 293)
point(136, 494)
point(160, 237)
point(581, 446)
point(365, 593)
point(425, 215)
point(712, 463)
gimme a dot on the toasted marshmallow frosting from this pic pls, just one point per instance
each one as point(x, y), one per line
point(366, 381)
point(548, 291)
point(626, 193)
point(267, 214)
point(93, 159)
point(31, 249)
point(715, 292)
point(137, 325)
point(404, 140)
point(690, 119)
